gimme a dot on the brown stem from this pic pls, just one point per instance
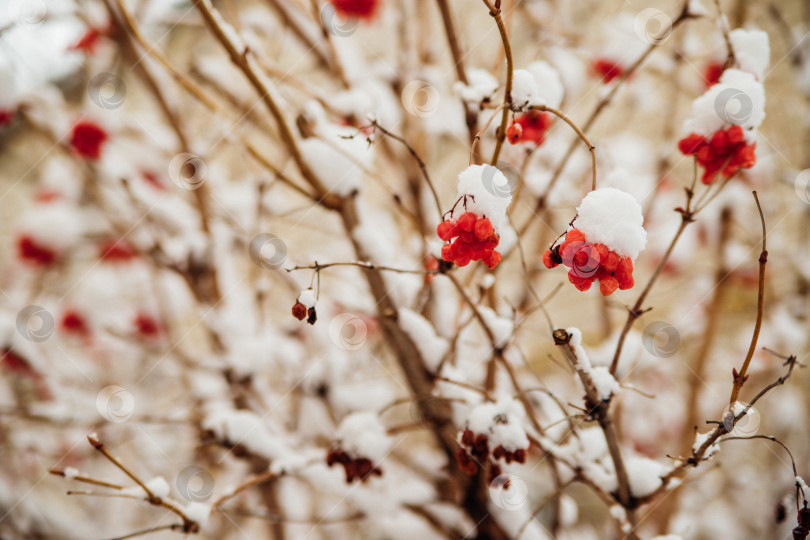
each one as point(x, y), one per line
point(603, 103)
point(739, 378)
point(495, 12)
point(244, 60)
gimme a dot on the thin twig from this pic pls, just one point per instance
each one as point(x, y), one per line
point(253, 481)
point(740, 378)
point(495, 12)
point(588, 143)
point(419, 161)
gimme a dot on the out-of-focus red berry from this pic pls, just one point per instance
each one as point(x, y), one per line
point(87, 139)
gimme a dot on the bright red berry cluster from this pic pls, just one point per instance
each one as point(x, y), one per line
point(607, 69)
point(725, 152)
point(590, 262)
point(475, 450)
point(363, 9)
point(530, 126)
point(475, 240)
point(87, 139)
point(356, 468)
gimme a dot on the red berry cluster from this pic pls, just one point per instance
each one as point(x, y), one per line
point(726, 151)
point(590, 262)
point(530, 126)
point(363, 9)
point(87, 139)
point(607, 69)
point(475, 450)
point(475, 240)
point(356, 468)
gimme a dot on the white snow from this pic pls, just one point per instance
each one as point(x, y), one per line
point(697, 8)
point(802, 485)
point(199, 512)
point(307, 297)
point(538, 84)
point(575, 341)
point(490, 191)
point(604, 382)
point(502, 327)
point(57, 225)
point(361, 434)
point(158, 486)
point(501, 422)
point(737, 99)
point(481, 86)
point(246, 428)
point(644, 475)
point(549, 86)
point(337, 162)
point(751, 50)
point(524, 89)
point(612, 217)
point(430, 345)
point(701, 438)
point(71, 473)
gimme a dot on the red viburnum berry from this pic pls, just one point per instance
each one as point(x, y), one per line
point(361, 9)
point(712, 73)
point(74, 323)
point(299, 311)
point(514, 132)
point(116, 251)
point(34, 253)
point(483, 229)
point(446, 229)
point(88, 42)
point(6, 117)
point(87, 139)
point(532, 127)
point(607, 69)
point(467, 221)
point(146, 326)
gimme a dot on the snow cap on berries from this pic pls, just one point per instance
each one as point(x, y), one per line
point(737, 99)
point(488, 192)
point(538, 84)
point(612, 217)
point(501, 422)
point(752, 50)
point(361, 434)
